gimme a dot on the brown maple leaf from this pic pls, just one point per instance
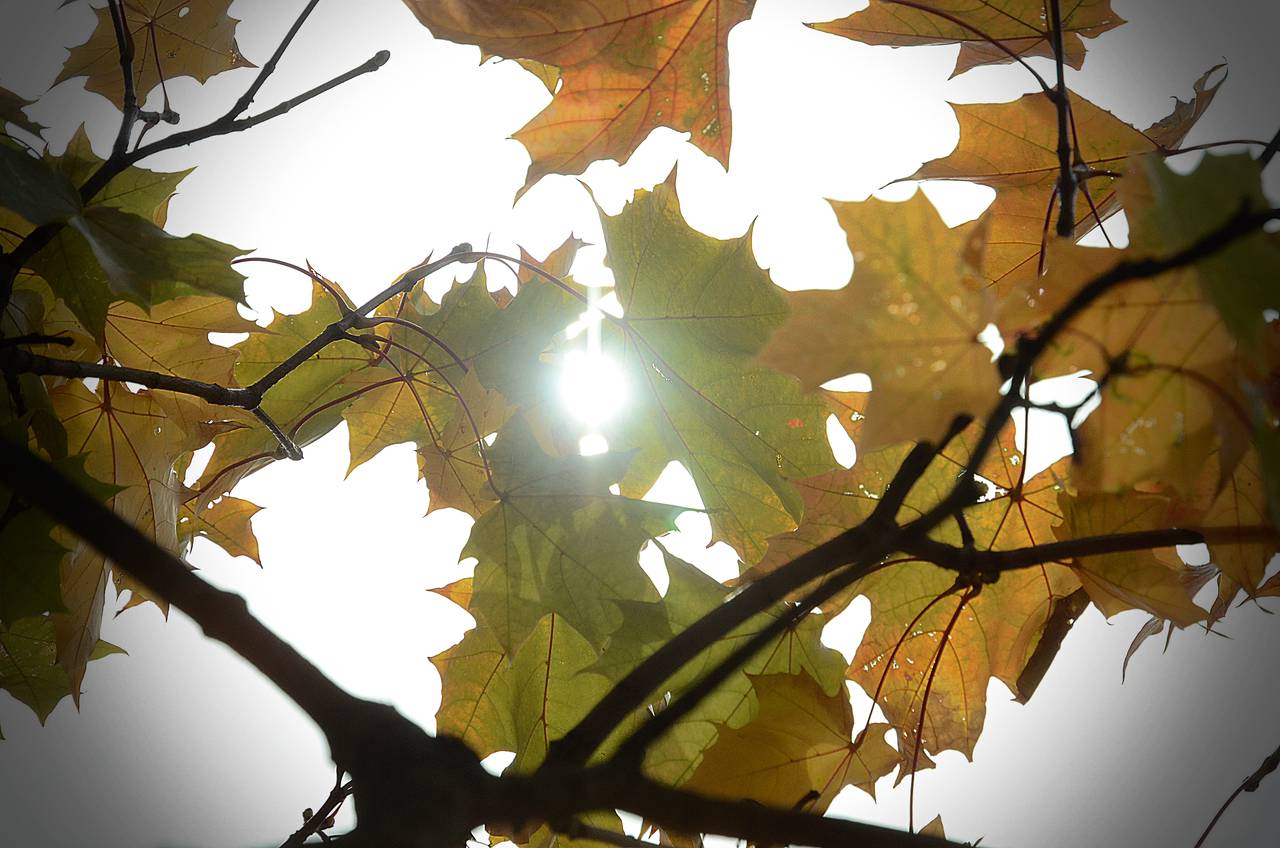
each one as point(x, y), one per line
point(625, 68)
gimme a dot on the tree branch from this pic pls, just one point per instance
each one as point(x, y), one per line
point(410, 788)
point(1268, 153)
point(1250, 784)
point(124, 45)
point(24, 361)
point(407, 780)
point(225, 126)
point(242, 103)
point(1062, 100)
point(564, 794)
point(883, 536)
point(990, 564)
point(316, 821)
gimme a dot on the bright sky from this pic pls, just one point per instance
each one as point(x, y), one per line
point(182, 744)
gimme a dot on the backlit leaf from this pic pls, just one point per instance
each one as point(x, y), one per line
point(625, 67)
point(797, 753)
point(28, 670)
point(1021, 27)
point(1134, 580)
point(195, 38)
point(558, 541)
point(695, 310)
point(909, 318)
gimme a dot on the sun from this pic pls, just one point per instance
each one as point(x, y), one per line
point(593, 385)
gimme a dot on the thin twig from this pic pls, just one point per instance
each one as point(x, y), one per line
point(291, 449)
point(242, 103)
point(1269, 153)
point(1250, 784)
point(991, 563)
point(924, 704)
point(338, 299)
point(223, 126)
point(316, 821)
point(34, 363)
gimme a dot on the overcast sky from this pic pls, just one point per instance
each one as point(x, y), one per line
point(182, 744)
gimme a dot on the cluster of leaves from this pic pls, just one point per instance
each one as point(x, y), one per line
point(726, 372)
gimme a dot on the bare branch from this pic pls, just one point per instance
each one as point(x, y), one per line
point(242, 103)
point(1264, 158)
point(225, 126)
point(26, 361)
point(338, 299)
point(1062, 100)
point(564, 794)
point(316, 821)
point(990, 564)
point(124, 45)
point(408, 781)
point(291, 449)
point(1250, 784)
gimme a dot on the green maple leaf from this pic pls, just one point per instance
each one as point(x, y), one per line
point(28, 671)
point(690, 595)
point(558, 541)
point(696, 309)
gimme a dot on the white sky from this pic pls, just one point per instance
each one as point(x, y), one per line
point(182, 744)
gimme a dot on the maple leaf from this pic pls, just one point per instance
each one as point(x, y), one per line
point(28, 670)
point(996, 632)
point(625, 68)
point(455, 467)
point(34, 549)
point(12, 111)
point(1020, 27)
point(1168, 212)
point(139, 191)
point(224, 522)
point(32, 189)
point(109, 254)
point(1169, 350)
point(131, 444)
point(649, 624)
point(910, 318)
point(558, 541)
point(114, 247)
point(29, 576)
point(519, 702)
point(797, 753)
point(695, 310)
point(500, 345)
point(182, 38)
point(172, 338)
point(1012, 147)
point(1136, 580)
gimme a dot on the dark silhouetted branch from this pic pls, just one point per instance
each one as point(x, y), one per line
point(1062, 101)
point(1250, 784)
